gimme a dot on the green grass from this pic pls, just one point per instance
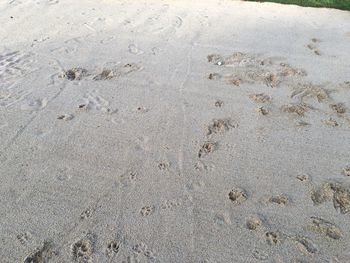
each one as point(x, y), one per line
point(339, 4)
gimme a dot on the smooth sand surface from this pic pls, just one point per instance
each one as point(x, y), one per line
point(173, 131)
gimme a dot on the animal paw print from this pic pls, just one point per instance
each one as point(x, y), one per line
point(82, 251)
point(112, 248)
point(219, 103)
point(272, 238)
point(214, 76)
point(331, 122)
point(142, 248)
point(128, 179)
point(220, 126)
point(170, 204)
point(24, 237)
point(253, 223)
point(65, 117)
point(86, 214)
point(338, 108)
point(303, 177)
point(262, 111)
point(279, 199)
point(298, 109)
point(313, 46)
point(142, 109)
point(83, 106)
point(207, 148)
point(75, 74)
point(260, 98)
point(238, 196)
point(216, 59)
point(116, 72)
point(346, 171)
point(147, 210)
point(163, 166)
point(260, 254)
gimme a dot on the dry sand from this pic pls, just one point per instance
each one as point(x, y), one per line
point(173, 131)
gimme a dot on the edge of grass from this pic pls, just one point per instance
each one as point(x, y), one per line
point(336, 4)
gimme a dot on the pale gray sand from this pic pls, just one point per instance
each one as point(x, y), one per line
point(169, 131)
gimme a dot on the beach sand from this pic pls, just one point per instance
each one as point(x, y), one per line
point(174, 131)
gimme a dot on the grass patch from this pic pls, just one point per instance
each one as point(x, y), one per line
point(338, 4)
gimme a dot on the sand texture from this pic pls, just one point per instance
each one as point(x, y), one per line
point(174, 131)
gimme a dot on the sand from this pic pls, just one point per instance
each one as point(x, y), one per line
point(173, 131)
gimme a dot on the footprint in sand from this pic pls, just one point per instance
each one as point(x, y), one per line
point(237, 196)
point(272, 238)
point(147, 210)
point(253, 69)
point(41, 255)
point(253, 223)
point(260, 98)
point(171, 204)
point(236, 81)
point(214, 76)
point(142, 109)
point(82, 250)
point(116, 72)
point(65, 117)
point(331, 122)
point(219, 103)
point(262, 111)
point(93, 101)
point(323, 227)
point(298, 109)
point(142, 249)
point(305, 245)
point(106, 74)
point(24, 238)
point(279, 199)
point(207, 148)
point(260, 254)
point(163, 166)
point(201, 166)
point(75, 74)
point(346, 171)
point(289, 71)
point(333, 191)
point(304, 91)
point(220, 126)
point(128, 179)
point(257, 225)
point(216, 59)
point(303, 177)
point(313, 46)
point(338, 108)
point(86, 213)
point(79, 73)
point(112, 248)
point(83, 106)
